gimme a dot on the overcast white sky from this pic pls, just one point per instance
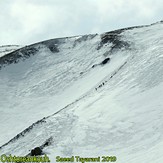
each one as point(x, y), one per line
point(28, 21)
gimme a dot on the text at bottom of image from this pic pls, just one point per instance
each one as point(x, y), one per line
point(9, 158)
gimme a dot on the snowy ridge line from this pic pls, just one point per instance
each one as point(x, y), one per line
point(26, 52)
point(42, 42)
point(59, 38)
point(14, 56)
point(119, 31)
point(6, 49)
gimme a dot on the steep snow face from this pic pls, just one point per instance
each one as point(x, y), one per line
point(43, 78)
point(8, 49)
point(112, 109)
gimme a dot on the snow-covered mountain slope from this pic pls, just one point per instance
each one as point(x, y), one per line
point(5, 49)
point(91, 109)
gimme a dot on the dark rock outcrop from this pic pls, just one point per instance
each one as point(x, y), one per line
point(115, 39)
point(36, 151)
point(53, 49)
point(105, 61)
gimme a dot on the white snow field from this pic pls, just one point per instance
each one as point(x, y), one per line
point(115, 109)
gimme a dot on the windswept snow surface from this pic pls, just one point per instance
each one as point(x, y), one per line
point(113, 109)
